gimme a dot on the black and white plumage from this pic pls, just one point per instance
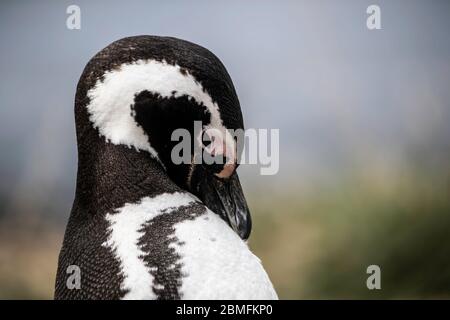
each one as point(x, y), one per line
point(142, 227)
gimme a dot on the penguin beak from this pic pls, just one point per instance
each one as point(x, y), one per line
point(226, 198)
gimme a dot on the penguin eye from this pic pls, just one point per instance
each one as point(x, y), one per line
point(206, 142)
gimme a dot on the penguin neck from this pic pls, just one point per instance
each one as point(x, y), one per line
point(109, 176)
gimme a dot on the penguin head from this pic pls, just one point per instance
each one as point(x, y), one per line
point(175, 100)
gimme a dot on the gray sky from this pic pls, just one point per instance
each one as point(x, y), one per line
point(341, 95)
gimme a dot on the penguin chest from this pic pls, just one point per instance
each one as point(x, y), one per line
point(173, 247)
point(217, 263)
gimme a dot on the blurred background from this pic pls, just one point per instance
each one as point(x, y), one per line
point(364, 134)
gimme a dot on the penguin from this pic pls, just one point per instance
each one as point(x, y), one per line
point(141, 225)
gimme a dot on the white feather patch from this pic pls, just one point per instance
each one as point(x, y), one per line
point(112, 97)
point(125, 232)
point(217, 264)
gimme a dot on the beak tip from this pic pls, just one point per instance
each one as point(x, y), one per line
point(226, 198)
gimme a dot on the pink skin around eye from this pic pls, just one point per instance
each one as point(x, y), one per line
point(221, 145)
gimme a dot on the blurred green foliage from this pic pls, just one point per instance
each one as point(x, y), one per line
point(320, 246)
